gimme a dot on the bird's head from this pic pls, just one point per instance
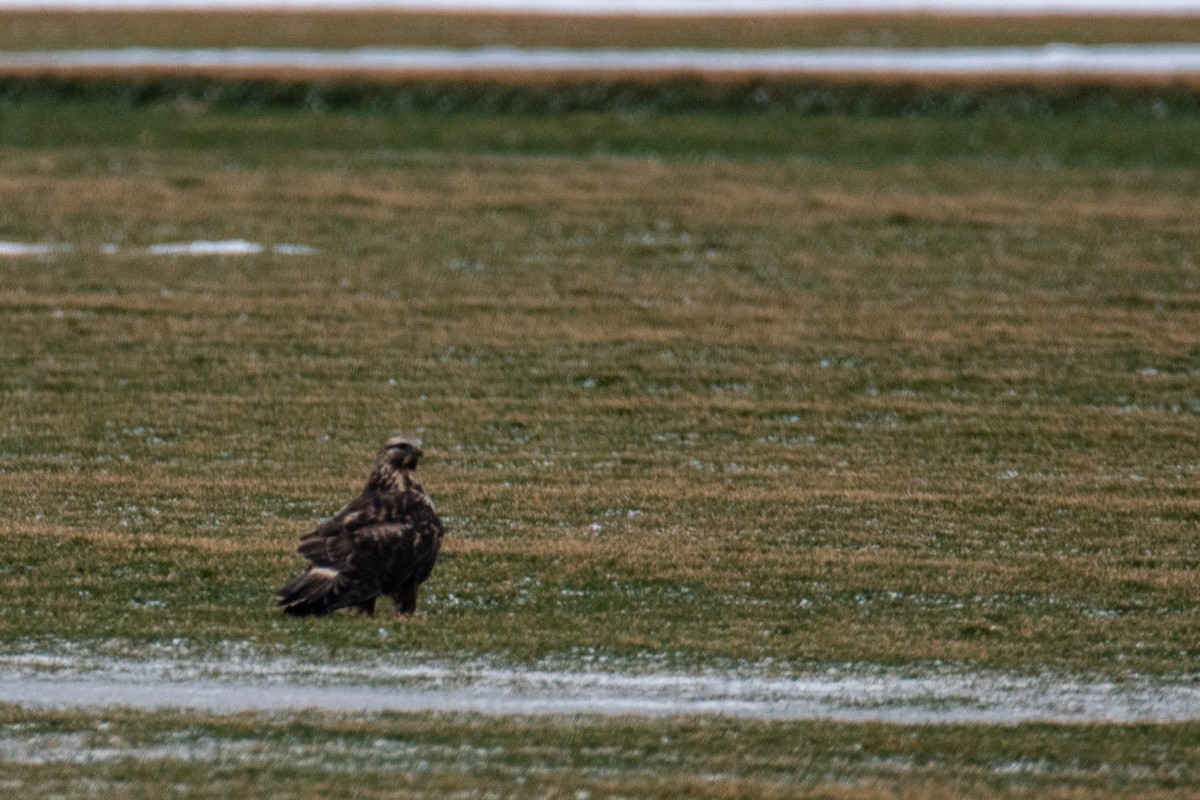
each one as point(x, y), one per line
point(401, 452)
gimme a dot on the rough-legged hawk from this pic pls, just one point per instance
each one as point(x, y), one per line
point(384, 542)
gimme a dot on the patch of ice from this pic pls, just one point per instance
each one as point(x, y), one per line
point(905, 697)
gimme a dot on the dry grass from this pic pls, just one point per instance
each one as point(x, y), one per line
point(40, 29)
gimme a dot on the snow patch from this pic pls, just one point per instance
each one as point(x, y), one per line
point(905, 697)
point(228, 247)
point(231, 247)
point(1135, 59)
point(16, 249)
point(80, 748)
point(293, 250)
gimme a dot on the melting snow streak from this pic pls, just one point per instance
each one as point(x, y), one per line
point(17, 249)
point(1049, 59)
point(933, 698)
point(232, 247)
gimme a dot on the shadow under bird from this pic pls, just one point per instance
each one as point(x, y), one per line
point(384, 542)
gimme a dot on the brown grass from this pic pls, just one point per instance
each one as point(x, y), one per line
point(34, 30)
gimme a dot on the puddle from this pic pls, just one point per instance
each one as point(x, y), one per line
point(1151, 59)
point(285, 685)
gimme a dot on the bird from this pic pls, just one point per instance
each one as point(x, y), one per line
point(384, 542)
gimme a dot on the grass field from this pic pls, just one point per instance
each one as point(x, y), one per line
point(699, 390)
point(859, 403)
point(136, 755)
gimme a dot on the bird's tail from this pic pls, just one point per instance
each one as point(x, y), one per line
point(316, 591)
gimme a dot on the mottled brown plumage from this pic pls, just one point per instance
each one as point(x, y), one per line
point(384, 542)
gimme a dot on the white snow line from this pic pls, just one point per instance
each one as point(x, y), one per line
point(1150, 59)
point(19, 249)
point(280, 685)
point(232, 247)
point(229, 247)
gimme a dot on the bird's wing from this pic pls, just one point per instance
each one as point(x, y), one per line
point(377, 554)
point(362, 551)
point(365, 510)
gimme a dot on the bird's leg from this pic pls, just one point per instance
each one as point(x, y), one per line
point(406, 600)
point(366, 607)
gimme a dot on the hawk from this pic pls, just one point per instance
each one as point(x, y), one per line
point(384, 542)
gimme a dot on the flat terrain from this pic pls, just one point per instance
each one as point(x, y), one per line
point(41, 30)
point(701, 390)
point(855, 402)
point(306, 755)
